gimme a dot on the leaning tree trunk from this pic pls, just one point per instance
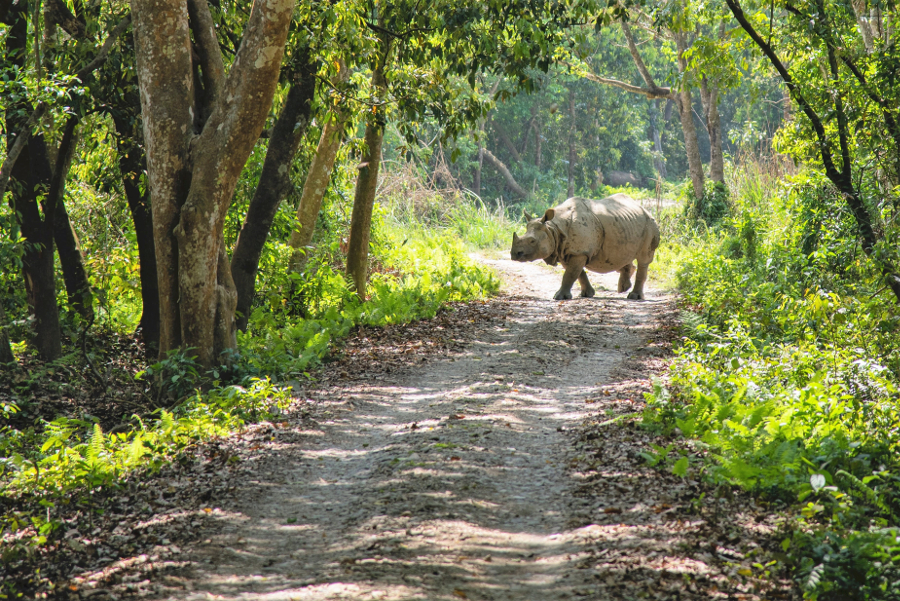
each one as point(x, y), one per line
point(317, 180)
point(686, 110)
point(506, 173)
point(274, 183)
point(193, 176)
point(71, 259)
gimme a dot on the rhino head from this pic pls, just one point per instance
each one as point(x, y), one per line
point(537, 243)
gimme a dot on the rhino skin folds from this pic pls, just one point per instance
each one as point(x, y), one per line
point(594, 235)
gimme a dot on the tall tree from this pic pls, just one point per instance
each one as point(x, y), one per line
point(193, 164)
point(367, 179)
point(832, 82)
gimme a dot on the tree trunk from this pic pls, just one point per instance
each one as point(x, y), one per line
point(709, 95)
point(30, 178)
point(132, 164)
point(366, 185)
point(314, 188)
point(507, 141)
point(6, 354)
point(537, 146)
point(162, 49)
point(571, 168)
point(477, 183)
point(71, 259)
point(192, 177)
point(504, 171)
point(691, 146)
point(659, 159)
point(274, 183)
point(317, 180)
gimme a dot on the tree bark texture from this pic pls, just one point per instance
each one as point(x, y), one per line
point(691, 145)
point(366, 186)
point(192, 177)
point(274, 184)
point(163, 53)
point(709, 95)
point(30, 178)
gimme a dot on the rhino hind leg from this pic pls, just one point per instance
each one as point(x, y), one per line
point(587, 291)
point(639, 279)
point(625, 278)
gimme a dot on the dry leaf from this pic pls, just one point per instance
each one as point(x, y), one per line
point(460, 594)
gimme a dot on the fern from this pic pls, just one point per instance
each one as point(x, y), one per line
point(95, 448)
point(136, 450)
point(871, 495)
point(815, 576)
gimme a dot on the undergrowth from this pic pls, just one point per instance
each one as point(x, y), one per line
point(787, 381)
point(418, 267)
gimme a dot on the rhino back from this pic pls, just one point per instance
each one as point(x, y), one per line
point(611, 232)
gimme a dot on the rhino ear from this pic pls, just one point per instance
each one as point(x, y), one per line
point(526, 215)
point(550, 214)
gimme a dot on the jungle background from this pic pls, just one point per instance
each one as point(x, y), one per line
point(763, 138)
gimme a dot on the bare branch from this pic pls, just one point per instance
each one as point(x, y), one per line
point(652, 94)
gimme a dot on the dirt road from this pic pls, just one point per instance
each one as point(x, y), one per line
point(468, 477)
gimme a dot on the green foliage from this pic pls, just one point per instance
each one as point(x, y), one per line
point(787, 382)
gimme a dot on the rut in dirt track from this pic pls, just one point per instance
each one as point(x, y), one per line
point(449, 482)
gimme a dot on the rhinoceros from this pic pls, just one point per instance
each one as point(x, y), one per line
point(595, 235)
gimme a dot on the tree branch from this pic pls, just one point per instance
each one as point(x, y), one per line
point(636, 56)
point(211, 63)
point(63, 17)
point(824, 146)
point(22, 138)
point(652, 94)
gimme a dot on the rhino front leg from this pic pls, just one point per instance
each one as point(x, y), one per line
point(574, 268)
point(587, 291)
point(639, 279)
point(625, 278)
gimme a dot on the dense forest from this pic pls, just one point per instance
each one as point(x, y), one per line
point(205, 201)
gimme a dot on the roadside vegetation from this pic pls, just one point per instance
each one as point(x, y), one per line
point(787, 379)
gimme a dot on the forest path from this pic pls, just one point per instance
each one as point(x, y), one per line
point(454, 480)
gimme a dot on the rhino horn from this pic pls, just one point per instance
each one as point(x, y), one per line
point(515, 237)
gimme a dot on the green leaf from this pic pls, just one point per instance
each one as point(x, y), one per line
point(681, 467)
